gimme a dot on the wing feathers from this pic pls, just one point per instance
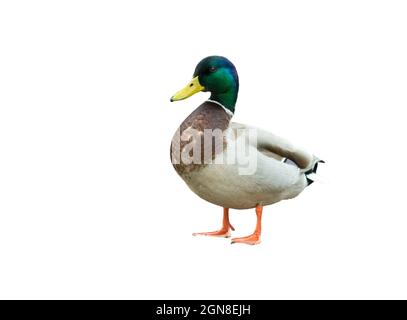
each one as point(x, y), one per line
point(281, 147)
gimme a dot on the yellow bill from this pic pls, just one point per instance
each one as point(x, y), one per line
point(191, 88)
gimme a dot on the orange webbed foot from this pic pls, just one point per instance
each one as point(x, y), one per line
point(224, 232)
point(221, 233)
point(252, 239)
point(255, 237)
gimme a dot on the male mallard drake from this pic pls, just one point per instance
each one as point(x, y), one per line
point(233, 165)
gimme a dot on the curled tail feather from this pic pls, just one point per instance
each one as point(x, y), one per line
point(312, 170)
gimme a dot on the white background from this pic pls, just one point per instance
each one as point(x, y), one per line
point(90, 206)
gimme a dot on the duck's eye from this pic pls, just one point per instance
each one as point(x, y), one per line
point(212, 69)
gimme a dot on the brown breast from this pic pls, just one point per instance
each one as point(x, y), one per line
point(199, 138)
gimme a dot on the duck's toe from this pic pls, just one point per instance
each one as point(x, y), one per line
point(252, 239)
point(223, 233)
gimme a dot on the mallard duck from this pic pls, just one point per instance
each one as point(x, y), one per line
point(213, 155)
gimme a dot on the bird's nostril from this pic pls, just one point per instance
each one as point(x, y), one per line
point(191, 85)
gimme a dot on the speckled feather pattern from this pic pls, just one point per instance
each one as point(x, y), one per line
point(207, 116)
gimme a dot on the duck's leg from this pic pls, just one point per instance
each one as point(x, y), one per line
point(255, 237)
point(224, 231)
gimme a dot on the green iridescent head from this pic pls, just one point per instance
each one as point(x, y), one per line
point(218, 76)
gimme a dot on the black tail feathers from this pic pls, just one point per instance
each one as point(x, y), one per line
point(311, 171)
